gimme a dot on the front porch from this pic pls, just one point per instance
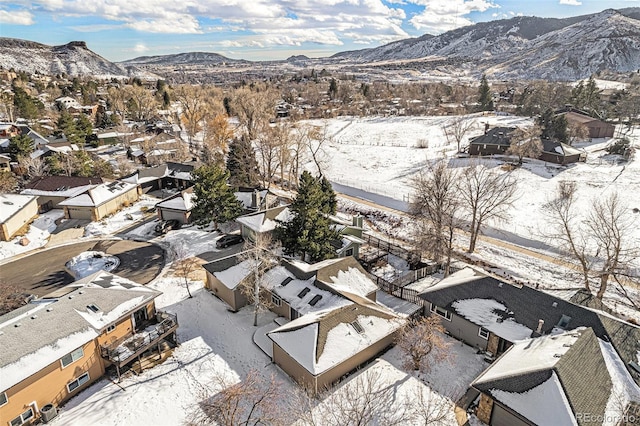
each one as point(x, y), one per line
point(129, 348)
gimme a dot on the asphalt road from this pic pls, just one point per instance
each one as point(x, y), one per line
point(43, 271)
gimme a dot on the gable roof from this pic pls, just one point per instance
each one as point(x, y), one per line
point(40, 333)
point(555, 375)
point(526, 306)
point(11, 204)
point(182, 201)
point(559, 148)
point(99, 194)
point(61, 183)
point(266, 220)
point(325, 339)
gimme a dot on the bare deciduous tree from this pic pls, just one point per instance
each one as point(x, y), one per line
point(525, 142)
point(33, 166)
point(196, 104)
point(184, 266)
point(457, 129)
point(255, 400)
point(435, 204)
point(317, 141)
point(216, 137)
point(577, 132)
point(485, 194)
point(254, 108)
point(564, 226)
point(610, 226)
point(260, 257)
point(422, 343)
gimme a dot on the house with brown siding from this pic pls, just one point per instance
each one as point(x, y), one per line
point(16, 212)
point(177, 206)
point(5, 163)
point(225, 277)
point(100, 201)
point(58, 345)
point(597, 128)
point(318, 348)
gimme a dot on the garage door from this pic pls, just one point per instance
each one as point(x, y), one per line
point(501, 417)
point(75, 213)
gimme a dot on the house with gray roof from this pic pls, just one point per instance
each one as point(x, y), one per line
point(58, 345)
point(569, 378)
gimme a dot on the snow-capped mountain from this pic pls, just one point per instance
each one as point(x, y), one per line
point(73, 59)
point(527, 47)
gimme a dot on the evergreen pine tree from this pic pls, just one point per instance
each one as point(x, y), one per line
point(309, 232)
point(553, 126)
point(214, 199)
point(484, 95)
point(330, 202)
point(20, 146)
point(242, 164)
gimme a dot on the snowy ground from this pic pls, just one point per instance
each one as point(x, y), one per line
point(121, 219)
point(90, 262)
point(38, 235)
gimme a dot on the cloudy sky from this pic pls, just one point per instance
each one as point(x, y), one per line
point(259, 29)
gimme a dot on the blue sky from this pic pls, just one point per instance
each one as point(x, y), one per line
point(259, 29)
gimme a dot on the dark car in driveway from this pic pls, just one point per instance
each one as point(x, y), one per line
point(229, 240)
point(166, 226)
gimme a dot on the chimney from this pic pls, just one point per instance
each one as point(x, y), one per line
point(486, 128)
point(357, 221)
point(540, 324)
point(255, 199)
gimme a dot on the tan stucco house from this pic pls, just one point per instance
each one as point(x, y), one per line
point(16, 212)
point(63, 342)
point(100, 201)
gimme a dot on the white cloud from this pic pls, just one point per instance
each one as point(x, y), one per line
point(139, 48)
point(16, 17)
point(571, 2)
point(444, 15)
point(275, 22)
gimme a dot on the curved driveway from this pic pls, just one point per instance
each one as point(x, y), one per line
point(43, 271)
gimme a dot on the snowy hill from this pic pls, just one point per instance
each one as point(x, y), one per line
point(189, 58)
point(527, 47)
point(73, 59)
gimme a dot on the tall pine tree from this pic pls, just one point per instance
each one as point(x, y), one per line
point(214, 198)
point(242, 164)
point(309, 234)
point(484, 95)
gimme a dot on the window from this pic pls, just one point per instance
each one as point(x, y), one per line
point(3, 398)
point(22, 418)
point(72, 357)
point(71, 386)
point(110, 328)
point(93, 308)
point(275, 299)
point(356, 325)
point(564, 321)
point(484, 333)
point(441, 312)
point(349, 252)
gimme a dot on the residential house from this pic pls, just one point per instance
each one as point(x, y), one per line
point(5, 163)
point(225, 278)
point(52, 190)
point(100, 201)
point(491, 315)
point(597, 128)
point(560, 153)
point(149, 178)
point(496, 141)
point(179, 175)
point(58, 345)
point(265, 221)
point(319, 348)
point(254, 200)
point(177, 206)
point(568, 378)
point(16, 212)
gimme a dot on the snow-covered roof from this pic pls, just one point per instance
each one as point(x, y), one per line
point(490, 314)
point(319, 342)
point(64, 192)
point(183, 201)
point(293, 288)
point(232, 276)
point(38, 334)
point(545, 404)
point(260, 222)
point(100, 194)
point(352, 280)
point(10, 204)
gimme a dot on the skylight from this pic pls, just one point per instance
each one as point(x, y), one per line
point(303, 292)
point(93, 308)
point(286, 281)
point(315, 299)
point(357, 327)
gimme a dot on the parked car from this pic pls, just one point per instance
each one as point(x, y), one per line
point(166, 226)
point(229, 240)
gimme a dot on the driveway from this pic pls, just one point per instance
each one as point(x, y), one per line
point(43, 271)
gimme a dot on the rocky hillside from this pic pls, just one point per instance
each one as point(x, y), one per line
point(73, 59)
point(527, 47)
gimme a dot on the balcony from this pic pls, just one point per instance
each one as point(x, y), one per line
point(129, 348)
